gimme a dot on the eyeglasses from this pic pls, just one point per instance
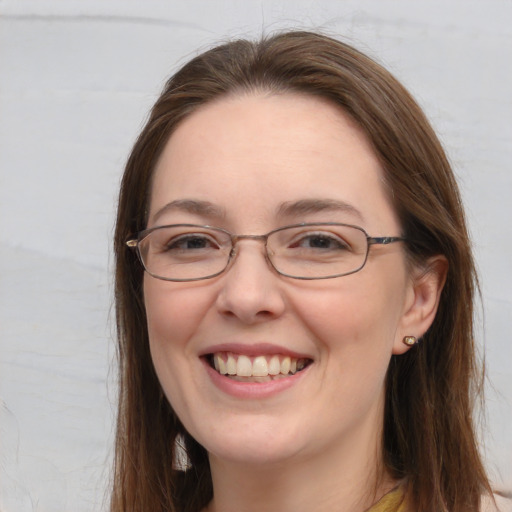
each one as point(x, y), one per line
point(187, 252)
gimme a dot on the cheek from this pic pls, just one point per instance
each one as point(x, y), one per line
point(354, 325)
point(347, 316)
point(173, 312)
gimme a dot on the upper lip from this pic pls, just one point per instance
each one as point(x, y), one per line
point(254, 349)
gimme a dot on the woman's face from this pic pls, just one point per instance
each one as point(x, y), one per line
point(251, 164)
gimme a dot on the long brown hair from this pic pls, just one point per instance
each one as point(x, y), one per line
point(429, 435)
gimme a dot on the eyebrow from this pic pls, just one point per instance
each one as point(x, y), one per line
point(194, 206)
point(308, 206)
point(286, 209)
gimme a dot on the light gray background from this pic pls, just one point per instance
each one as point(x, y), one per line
point(76, 81)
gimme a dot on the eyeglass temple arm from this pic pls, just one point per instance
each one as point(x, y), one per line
point(384, 240)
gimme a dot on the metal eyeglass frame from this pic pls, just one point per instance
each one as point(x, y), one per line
point(133, 243)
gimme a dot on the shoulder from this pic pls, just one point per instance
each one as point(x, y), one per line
point(500, 503)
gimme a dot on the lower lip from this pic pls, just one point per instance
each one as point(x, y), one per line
point(252, 390)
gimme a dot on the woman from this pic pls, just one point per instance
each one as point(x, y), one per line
point(294, 294)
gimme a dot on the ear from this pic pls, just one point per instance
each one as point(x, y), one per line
point(422, 301)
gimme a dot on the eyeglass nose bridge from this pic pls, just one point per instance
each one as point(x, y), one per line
point(236, 238)
point(234, 252)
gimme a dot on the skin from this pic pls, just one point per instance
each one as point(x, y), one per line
point(248, 155)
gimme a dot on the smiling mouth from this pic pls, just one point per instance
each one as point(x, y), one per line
point(263, 368)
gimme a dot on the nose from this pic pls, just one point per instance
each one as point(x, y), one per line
point(251, 289)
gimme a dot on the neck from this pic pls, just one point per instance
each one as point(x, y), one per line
point(342, 478)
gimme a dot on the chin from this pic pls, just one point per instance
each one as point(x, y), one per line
point(253, 455)
point(261, 443)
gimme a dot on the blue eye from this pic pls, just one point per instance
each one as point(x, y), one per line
point(191, 242)
point(321, 241)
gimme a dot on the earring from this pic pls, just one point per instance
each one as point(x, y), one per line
point(410, 340)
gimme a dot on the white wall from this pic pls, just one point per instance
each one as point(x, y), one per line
point(76, 80)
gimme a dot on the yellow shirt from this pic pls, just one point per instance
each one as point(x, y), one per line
point(391, 502)
point(394, 502)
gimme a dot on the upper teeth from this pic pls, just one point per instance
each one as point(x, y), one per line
point(228, 363)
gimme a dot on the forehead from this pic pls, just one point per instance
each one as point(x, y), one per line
point(256, 152)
